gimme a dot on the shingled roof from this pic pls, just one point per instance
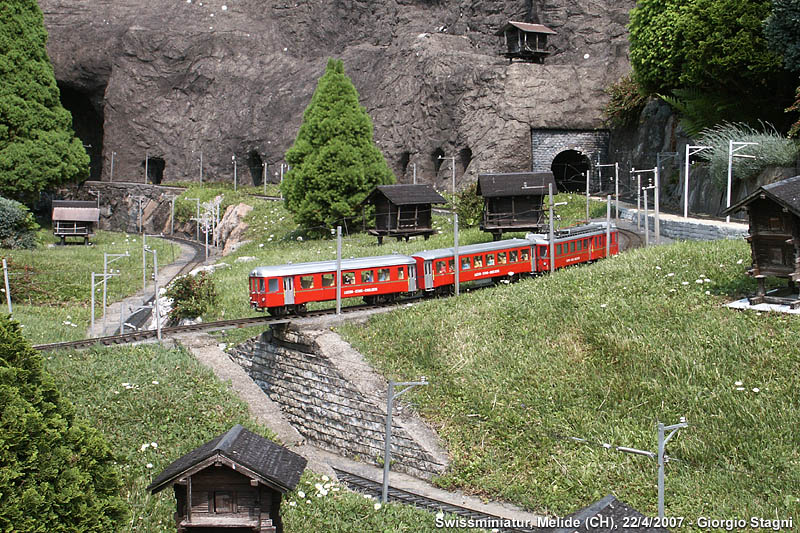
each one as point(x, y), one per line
point(785, 193)
point(278, 466)
point(75, 211)
point(525, 26)
point(515, 184)
point(407, 194)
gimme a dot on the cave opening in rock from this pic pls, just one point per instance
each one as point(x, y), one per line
point(155, 170)
point(569, 169)
point(437, 158)
point(87, 121)
point(256, 166)
point(405, 159)
point(465, 158)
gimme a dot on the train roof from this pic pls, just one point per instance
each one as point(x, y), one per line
point(473, 248)
point(592, 228)
point(299, 269)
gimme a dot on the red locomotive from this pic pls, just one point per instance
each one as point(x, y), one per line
point(288, 288)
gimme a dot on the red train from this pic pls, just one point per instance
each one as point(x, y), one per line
point(283, 289)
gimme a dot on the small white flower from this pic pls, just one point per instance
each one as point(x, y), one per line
point(149, 465)
point(658, 268)
point(292, 504)
point(738, 383)
point(154, 382)
point(376, 506)
point(261, 245)
point(367, 496)
point(739, 262)
point(301, 494)
point(325, 478)
point(756, 389)
point(318, 486)
point(603, 306)
point(684, 282)
point(670, 274)
point(708, 293)
point(154, 444)
point(299, 238)
point(700, 281)
point(308, 501)
point(145, 446)
point(439, 515)
point(739, 388)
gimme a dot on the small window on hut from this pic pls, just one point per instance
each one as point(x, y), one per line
point(775, 224)
point(223, 501)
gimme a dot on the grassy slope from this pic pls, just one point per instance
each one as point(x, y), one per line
point(140, 395)
point(604, 352)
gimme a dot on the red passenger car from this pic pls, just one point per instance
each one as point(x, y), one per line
point(288, 288)
point(580, 244)
point(491, 260)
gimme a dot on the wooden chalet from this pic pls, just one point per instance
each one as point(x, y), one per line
point(774, 213)
point(74, 218)
point(232, 483)
point(403, 211)
point(526, 41)
point(513, 201)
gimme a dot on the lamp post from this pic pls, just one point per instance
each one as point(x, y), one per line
point(338, 270)
point(453, 166)
point(387, 455)
point(733, 147)
point(690, 151)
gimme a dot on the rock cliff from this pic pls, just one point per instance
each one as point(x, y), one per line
point(172, 80)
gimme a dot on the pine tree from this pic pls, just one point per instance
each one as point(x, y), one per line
point(334, 161)
point(38, 147)
point(57, 473)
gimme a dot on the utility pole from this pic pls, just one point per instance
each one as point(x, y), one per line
point(156, 309)
point(662, 443)
point(140, 199)
point(146, 168)
point(656, 198)
point(172, 215)
point(608, 226)
point(338, 270)
point(587, 196)
point(453, 166)
point(387, 454)
point(94, 285)
point(551, 233)
point(197, 217)
point(646, 217)
point(106, 262)
point(456, 259)
point(8, 289)
point(111, 178)
point(265, 172)
point(690, 151)
point(233, 158)
point(733, 147)
point(616, 185)
point(414, 166)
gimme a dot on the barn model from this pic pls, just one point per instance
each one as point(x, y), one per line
point(526, 41)
point(232, 483)
point(774, 213)
point(74, 218)
point(513, 201)
point(403, 211)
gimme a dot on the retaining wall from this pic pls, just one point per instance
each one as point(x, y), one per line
point(688, 230)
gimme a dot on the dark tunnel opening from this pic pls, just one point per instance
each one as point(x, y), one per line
point(87, 121)
point(256, 166)
point(569, 169)
point(155, 170)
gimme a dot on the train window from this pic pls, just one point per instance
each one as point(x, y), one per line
point(401, 273)
point(464, 263)
point(513, 256)
point(274, 285)
point(306, 282)
point(502, 258)
point(489, 259)
point(525, 254)
point(451, 265)
point(348, 278)
point(578, 246)
point(327, 280)
point(558, 249)
point(478, 261)
point(383, 274)
point(366, 276)
point(428, 269)
point(261, 285)
point(572, 247)
point(586, 243)
point(441, 267)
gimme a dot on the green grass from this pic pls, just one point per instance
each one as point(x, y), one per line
point(50, 285)
point(603, 352)
point(150, 394)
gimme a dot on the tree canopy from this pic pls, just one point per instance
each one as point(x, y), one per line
point(38, 147)
point(782, 29)
point(58, 472)
point(334, 161)
point(715, 50)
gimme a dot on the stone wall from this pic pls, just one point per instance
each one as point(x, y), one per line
point(687, 230)
point(546, 144)
point(335, 400)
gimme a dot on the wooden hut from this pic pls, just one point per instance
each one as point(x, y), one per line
point(513, 201)
point(526, 41)
point(234, 481)
point(774, 213)
point(74, 218)
point(403, 211)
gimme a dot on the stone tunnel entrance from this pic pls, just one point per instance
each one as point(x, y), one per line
point(569, 168)
point(568, 154)
point(155, 169)
point(87, 121)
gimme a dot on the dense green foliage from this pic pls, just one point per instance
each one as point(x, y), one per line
point(603, 352)
point(469, 206)
point(625, 102)
point(715, 48)
point(334, 161)
point(17, 226)
point(781, 31)
point(57, 473)
point(38, 148)
point(771, 150)
point(192, 296)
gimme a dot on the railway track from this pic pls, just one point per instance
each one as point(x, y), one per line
point(373, 488)
point(629, 239)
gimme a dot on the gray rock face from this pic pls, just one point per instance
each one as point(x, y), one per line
point(172, 80)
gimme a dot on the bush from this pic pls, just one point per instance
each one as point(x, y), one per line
point(58, 473)
point(17, 227)
point(469, 206)
point(772, 150)
point(192, 296)
point(625, 104)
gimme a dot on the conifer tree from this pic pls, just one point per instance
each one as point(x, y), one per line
point(57, 473)
point(38, 147)
point(334, 161)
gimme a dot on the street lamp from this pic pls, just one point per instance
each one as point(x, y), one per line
point(390, 396)
point(733, 147)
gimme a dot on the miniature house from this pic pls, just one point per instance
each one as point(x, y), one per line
point(513, 201)
point(774, 213)
point(525, 41)
point(74, 218)
point(232, 483)
point(403, 211)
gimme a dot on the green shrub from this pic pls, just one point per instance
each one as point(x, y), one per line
point(57, 472)
point(772, 150)
point(626, 101)
point(191, 296)
point(17, 227)
point(469, 206)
